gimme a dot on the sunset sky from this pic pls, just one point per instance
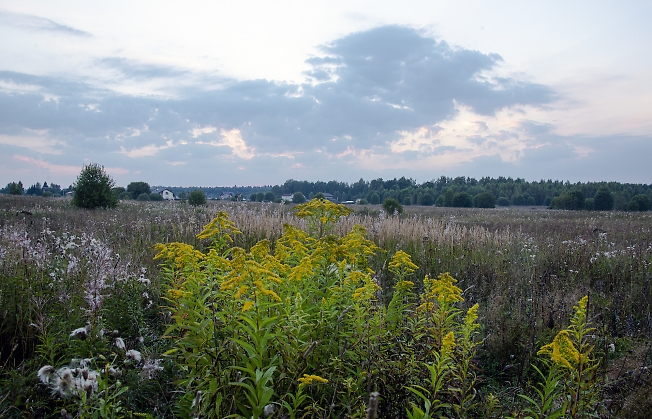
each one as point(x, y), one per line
point(205, 93)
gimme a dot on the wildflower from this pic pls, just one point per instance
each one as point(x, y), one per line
point(449, 342)
point(133, 355)
point(309, 379)
point(119, 343)
point(562, 351)
point(247, 305)
point(45, 373)
point(80, 333)
point(150, 368)
point(402, 265)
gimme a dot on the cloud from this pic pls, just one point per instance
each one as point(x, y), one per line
point(390, 101)
point(35, 23)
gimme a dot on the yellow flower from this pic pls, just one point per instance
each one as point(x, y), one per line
point(449, 342)
point(401, 264)
point(219, 226)
point(247, 305)
point(310, 379)
point(243, 289)
point(562, 351)
point(443, 289)
point(472, 316)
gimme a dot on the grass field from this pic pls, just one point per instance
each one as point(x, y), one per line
point(63, 268)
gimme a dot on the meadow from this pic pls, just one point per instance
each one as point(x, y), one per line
point(317, 324)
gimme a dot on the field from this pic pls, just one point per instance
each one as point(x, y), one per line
point(93, 272)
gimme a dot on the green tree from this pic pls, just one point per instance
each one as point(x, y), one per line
point(93, 188)
point(143, 197)
point(640, 202)
point(14, 188)
point(427, 199)
point(392, 206)
point(35, 189)
point(270, 197)
point(447, 197)
point(298, 198)
point(155, 197)
point(519, 199)
point(374, 198)
point(603, 200)
point(462, 199)
point(138, 188)
point(484, 200)
point(197, 197)
point(503, 201)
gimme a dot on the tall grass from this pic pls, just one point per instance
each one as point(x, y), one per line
point(526, 268)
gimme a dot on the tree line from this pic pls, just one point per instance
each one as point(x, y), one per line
point(486, 192)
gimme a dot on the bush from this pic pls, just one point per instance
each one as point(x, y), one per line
point(143, 197)
point(392, 206)
point(589, 204)
point(363, 202)
point(503, 201)
point(639, 202)
point(427, 199)
point(484, 200)
point(93, 188)
point(138, 188)
point(298, 198)
point(462, 199)
point(573, 201)
point(270, 197)
point(603, 200)
point(374, 199)
point(197, 197)
point(519, 199)
point(155, 197)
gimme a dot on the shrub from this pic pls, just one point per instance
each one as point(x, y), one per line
point(138, 188)
point(484, 200)
point(462, 199)
point(639, 202)
point(603, 200)
point(503, 201)
point(93, 188)
point(374, 199)
point(392, 206)
point(270, 197)
point(197, 197)
point(298, 198)
point(519, 199)
point(573, 200)
point(363, 202)
point(155, 197)
point(427, 199)
point(144, 197)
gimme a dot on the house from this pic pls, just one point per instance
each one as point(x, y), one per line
point(226, 195)
point(167, 194)
point(330, 197)
point(287, 197)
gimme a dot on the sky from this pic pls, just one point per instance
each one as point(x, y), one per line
point(205, 93)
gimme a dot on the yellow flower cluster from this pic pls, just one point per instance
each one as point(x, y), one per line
point(220, 226)
point(402, 265)
point(310, 379)
point(562, 351)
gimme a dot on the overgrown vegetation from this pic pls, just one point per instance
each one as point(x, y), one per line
point(311, 312)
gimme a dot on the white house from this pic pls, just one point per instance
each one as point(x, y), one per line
point(226, 195)
point(167, 194)
point(287, 197)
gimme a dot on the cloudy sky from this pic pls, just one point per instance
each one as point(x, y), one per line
point(213, 93)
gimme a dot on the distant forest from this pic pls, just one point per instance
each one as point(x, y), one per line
point(445, 191)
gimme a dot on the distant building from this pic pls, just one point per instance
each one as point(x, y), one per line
point(287, 197)
point(167, 194)
point(226, 195)
point(330, 197)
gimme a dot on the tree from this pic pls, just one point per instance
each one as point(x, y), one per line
point(155, 197)
point(35, 189)
point(138, 188)
point(640, 202)
point(270, 197)
point(197, 197)
point(603, 200)
point(447, 197)
point(392, 206)
point(298, 198)
point(484, 200)
point(503, 201)
point(93, 188)
point(14, 188)
point(427, 199)
point(374, 198)
point(462, 199)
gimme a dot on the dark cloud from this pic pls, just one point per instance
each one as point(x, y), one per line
point(36, 23)
point(365, 89)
